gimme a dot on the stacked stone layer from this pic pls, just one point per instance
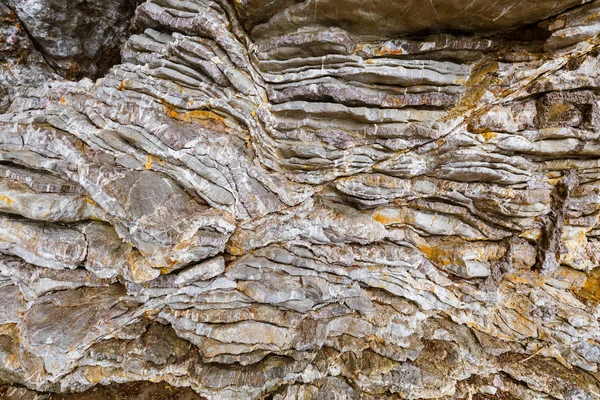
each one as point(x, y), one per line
point(280, 199)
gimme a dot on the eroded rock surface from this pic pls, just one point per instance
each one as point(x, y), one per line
point(76, 37)
point(320, 199)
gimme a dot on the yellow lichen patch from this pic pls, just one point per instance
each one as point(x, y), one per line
point(382, 219)
point(436, 255)
point(591, 288)
point(235, 250)
point(233, 247)
point(483, 76)
point(124, 85)
point(489, 136)
point(204, 115)
point(389, 217)
point(148, 164)
point(150, 160)
point(62, 100)
point(444, 252)
point(90, 201)
point(185, 244)
point(531, 278)
point(174, 114)
point(384, 51)
point(6, 199)
point(208, 119)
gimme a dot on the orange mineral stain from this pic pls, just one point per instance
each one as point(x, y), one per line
point(6, 199)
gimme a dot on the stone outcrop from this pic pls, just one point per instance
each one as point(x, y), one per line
point(283, 199)
point(77, 38)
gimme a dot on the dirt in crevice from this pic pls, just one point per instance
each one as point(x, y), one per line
point(550, 245)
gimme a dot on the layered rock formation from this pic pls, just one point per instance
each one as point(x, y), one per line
point(301, 199)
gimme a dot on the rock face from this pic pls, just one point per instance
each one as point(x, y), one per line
point(77, 37)
point(300, 200)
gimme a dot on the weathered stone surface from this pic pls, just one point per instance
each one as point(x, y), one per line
point(78, 38)
point(384, 18)
point(283, 199)
point(21, 65)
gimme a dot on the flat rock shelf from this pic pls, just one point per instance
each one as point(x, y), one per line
point(285, 199)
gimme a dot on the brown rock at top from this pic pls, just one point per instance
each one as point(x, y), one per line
point(383, 18)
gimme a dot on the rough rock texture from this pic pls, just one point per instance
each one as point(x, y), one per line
point(21, 65)
point(76, 37)
point(301, 200)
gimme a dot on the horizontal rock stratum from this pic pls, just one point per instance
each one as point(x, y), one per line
point(283, 199)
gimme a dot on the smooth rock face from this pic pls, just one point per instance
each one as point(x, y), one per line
point(391, 18)
point(300, 200)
